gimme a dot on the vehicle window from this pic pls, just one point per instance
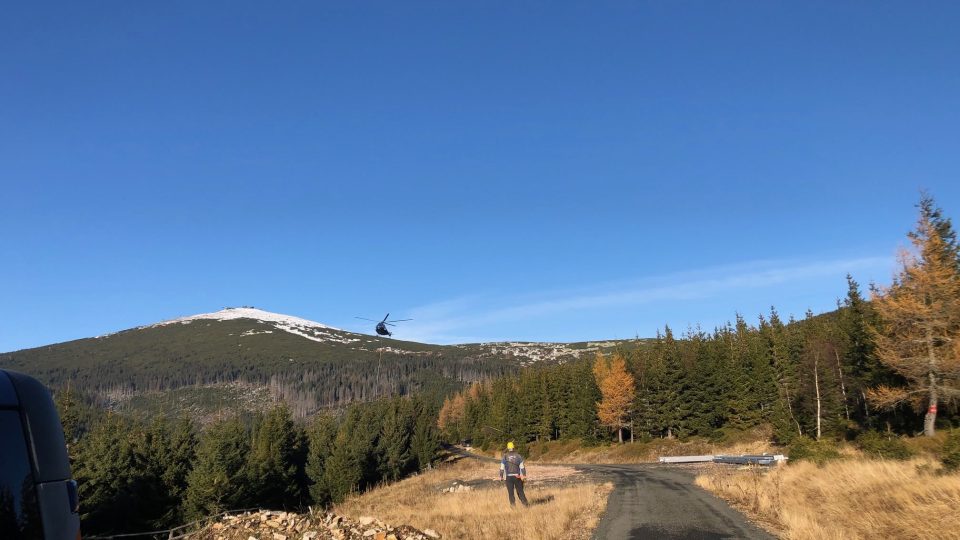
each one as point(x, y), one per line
point(19, 511)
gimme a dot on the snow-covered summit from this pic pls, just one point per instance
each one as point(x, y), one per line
point(294, 325)
point(231, 313)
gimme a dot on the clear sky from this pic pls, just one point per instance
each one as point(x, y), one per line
point(496, 171)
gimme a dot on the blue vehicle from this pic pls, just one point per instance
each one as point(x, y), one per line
point(38, 497)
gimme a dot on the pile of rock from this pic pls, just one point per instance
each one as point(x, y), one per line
point(270, 525)
point(457, 486)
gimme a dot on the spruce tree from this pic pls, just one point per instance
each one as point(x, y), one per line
point(859, 361)
point(343, 470)
point(394, 443)
point(425, 440)
point(321, 435)
point(110, 474)
point(219, 480)
point(276, 461)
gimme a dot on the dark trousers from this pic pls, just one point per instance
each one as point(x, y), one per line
point(515, 483)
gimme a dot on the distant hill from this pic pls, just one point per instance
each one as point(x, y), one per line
point(244, 357)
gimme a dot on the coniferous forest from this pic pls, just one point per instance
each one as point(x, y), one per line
point(888, 363)
point(881, 365)
point(138, 476)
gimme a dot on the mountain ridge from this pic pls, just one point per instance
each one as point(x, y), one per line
point(237, 352)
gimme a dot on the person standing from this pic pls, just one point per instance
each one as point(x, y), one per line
point(514, 472)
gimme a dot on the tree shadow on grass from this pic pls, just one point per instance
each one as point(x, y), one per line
point(541, 500)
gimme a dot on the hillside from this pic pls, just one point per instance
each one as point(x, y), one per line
point(245, 356)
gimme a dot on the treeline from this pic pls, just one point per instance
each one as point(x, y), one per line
point(135, 476)
point(892, 364)
point(738, 377)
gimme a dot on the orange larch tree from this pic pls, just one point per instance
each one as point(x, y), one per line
point(618, 391)
point(919, 332)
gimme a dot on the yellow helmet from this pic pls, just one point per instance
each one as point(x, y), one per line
point(510, 445)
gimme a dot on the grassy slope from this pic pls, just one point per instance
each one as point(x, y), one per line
point(560, 509)
point(851, 498)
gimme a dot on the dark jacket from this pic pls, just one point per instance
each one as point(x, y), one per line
point(512, 464)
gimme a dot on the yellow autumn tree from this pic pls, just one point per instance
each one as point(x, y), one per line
point(617, 389)
point(451, 414)
point(919, 333)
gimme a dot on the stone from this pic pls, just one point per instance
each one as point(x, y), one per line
point(431, 533)
point(310, 535)
point(366, 520)
point(369, 532)
point(278, 536)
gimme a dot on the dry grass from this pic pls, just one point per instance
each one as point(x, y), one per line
point(849, 499)
point(562, 508)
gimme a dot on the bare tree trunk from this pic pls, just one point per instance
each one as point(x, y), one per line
point(843, 387)
point(816, 385)
point(930, 420)
point(620, 434)
point(786, 392)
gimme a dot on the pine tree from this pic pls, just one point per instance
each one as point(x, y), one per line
point(819, 401)
point(859, 367)
point(321, 435)
point(169, 453)
point(584, 395)
point(110, 474)
point(425, 440)
point(68, 408)
point(779, 352)
point(708, 382)
point(744, 396)
point(667, 386)
point(919, 333)
point(276, 460)
point(343, 470)
point(219, 480)
point(394, 443)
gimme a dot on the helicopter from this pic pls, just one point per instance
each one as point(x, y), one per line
point(382, 325)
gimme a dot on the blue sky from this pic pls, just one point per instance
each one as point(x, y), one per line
point(497, 171)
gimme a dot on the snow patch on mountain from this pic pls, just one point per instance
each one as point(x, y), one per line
point(529, 353)
point(293, 325)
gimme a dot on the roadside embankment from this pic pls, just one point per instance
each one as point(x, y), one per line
point(852, 498)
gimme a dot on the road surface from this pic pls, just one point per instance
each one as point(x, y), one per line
point(651, 501)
